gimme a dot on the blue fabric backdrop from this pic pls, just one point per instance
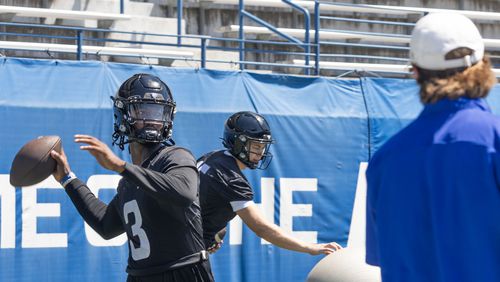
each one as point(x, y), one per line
point(324, 128)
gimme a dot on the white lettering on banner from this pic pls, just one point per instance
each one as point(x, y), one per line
point(288, 210)
point(266, 206)
point(31, 210)
point(235, 231)
point(357, 231)
point(267, 201)
point(96, 183)
point(8, 213)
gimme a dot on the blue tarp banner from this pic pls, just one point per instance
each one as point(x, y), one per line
point(324, 129)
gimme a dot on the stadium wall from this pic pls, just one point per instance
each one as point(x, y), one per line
point(324, 129)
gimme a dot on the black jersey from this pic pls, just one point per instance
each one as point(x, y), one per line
point(223, 191)
point(157, 206)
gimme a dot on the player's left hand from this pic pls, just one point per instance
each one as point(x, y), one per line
point(215, 247)
point(218, 241)
point(101, 152)
point(326, 249)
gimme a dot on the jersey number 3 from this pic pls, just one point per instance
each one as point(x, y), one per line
point(143, 250)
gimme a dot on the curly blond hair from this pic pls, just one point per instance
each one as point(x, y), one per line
point(473, 82)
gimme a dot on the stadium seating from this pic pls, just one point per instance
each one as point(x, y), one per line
point(367, 30)
point(326, 35)
point(96, 50)
point(376, 68)
point(344, 35)
point(360, 8)
point(60, 14)
point(351, 36)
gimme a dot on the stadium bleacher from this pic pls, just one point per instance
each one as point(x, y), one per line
point(59, 14)
point(95, 50)
point(361, 8)
point(378, 42)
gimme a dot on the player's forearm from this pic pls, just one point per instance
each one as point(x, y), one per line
point(93, 210)
point(179, 185)
point(270, 232)
point(278, 237)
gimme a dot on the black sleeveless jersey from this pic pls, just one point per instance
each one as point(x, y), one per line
point(221, 184)
point(157, 206)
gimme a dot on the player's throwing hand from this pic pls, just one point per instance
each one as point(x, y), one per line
point(101, 152)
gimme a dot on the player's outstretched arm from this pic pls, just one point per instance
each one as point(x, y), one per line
point(254, 219)
point(103, 218)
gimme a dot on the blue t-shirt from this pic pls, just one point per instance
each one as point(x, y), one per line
point(433, 202)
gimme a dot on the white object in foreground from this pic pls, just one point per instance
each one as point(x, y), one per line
point(348, 265)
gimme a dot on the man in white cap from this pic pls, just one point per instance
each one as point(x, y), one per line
point(433, 202)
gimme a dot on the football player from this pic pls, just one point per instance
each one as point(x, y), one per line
point(225, 191)
point(156, 204)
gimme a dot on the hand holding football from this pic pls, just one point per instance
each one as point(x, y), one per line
point(33, 163)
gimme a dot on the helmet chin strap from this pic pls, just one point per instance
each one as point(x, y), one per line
point(121, 140)
point(149, 134)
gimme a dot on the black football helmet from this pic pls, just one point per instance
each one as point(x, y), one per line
point(246, 132)
point(144, 111)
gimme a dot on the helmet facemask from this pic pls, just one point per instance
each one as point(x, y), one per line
point(253, 152)
point(145, 120)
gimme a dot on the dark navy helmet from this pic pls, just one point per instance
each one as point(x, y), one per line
point(247, 137)
point(144, 111)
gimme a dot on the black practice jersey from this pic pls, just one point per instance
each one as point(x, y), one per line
point(223, 191)
point(157, 206)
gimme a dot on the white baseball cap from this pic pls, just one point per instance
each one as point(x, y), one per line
point(436, 34)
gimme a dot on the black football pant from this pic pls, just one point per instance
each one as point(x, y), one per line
point(198, 272)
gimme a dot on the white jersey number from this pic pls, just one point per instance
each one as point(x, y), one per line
point(143, 250)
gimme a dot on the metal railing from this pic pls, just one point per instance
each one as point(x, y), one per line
point(82, 37)
point(370, 46)
point(292, 47)
point(303, 44)
point(179, 21)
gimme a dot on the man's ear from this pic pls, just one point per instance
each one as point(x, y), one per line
point(415, 73)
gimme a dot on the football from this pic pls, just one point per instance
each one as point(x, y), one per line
point(33, 163)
